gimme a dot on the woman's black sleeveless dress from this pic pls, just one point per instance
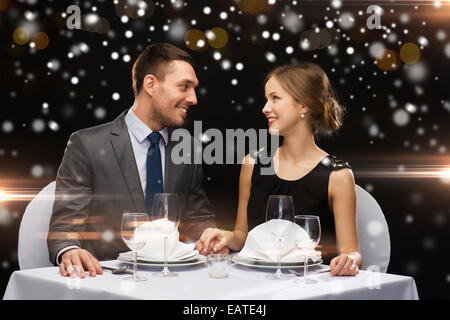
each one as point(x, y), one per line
point(309, 193)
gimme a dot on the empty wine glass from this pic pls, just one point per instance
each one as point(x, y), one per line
point(279, 220)
point(130, 223)
point(166, 217)
point(311, 225)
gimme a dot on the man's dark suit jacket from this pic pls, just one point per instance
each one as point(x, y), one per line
point(98, 181)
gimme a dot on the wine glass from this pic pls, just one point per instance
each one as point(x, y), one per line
point(130, 223)
point(166, 217)
point(311, 225)
point(279, 220)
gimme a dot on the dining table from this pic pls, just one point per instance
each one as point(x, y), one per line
point(193, 282)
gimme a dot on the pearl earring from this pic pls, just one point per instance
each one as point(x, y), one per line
point(302, 115)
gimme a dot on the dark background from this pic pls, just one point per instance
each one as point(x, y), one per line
point(380, 149)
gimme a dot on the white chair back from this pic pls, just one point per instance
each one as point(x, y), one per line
point(32, 246)
point(373, 232)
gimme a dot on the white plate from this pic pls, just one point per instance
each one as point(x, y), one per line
point(199, 259)
point(271, 265)
point(130, 256)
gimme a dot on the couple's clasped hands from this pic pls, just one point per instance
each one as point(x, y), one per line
point(214, 240)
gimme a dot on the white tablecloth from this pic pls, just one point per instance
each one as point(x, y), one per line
point(193, 283)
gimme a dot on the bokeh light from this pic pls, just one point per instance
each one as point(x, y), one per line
point(177, 30)
point(5, 216)
point(53, 125)
point(387, 60)
point(195, 40)
point(336, 4)
point(401, 118)
point(417, 72)
point(325, 38)
point(376, 49)
point(410, 53)
point(271, 57)
point(41, 40)
point(37, 171)
point(447, 50)
point(4, 5)
point(254, 6)
point(38, 125)
point(292, 22)
point(310, 40)
point(346, 20)
point(7, 126)
point(94, 23)
point(411, 108)
point(134, 8)
point(54, 65)
point(21, 36)
point(217, 37)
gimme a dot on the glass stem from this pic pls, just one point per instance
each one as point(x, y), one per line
point(305, 266)
point(166, 270)
point(278, 274)
point(135, 265)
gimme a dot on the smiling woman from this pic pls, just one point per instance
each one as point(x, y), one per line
point(307, 85)
point(300, 103)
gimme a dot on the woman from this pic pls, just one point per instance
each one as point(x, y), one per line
point(300, 102)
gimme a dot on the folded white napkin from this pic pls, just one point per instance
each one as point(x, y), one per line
point(153, 234)
point(262, 244)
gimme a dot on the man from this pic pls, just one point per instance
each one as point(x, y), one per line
point(117, 167)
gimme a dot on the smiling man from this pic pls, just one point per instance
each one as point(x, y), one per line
point(118, 167)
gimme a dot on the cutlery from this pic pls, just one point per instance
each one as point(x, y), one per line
point(120, 270)
point(298, 274)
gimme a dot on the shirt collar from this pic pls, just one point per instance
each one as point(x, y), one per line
point(140, 130)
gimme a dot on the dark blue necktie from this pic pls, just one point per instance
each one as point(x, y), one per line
point(154, 171)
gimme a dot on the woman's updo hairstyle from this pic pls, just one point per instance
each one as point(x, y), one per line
point(308, 85)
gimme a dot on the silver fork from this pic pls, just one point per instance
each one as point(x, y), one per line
point(122, 269)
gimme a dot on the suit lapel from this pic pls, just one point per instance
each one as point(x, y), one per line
point(120, 140)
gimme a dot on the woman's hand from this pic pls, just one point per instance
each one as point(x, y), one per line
point(215, 240)
point(344, 265)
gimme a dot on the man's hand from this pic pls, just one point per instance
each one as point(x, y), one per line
point(76, 261)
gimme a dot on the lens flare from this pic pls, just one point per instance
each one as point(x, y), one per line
point(3, 196)
point(411, 171)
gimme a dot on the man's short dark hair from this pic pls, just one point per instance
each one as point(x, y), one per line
point(155, 59)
